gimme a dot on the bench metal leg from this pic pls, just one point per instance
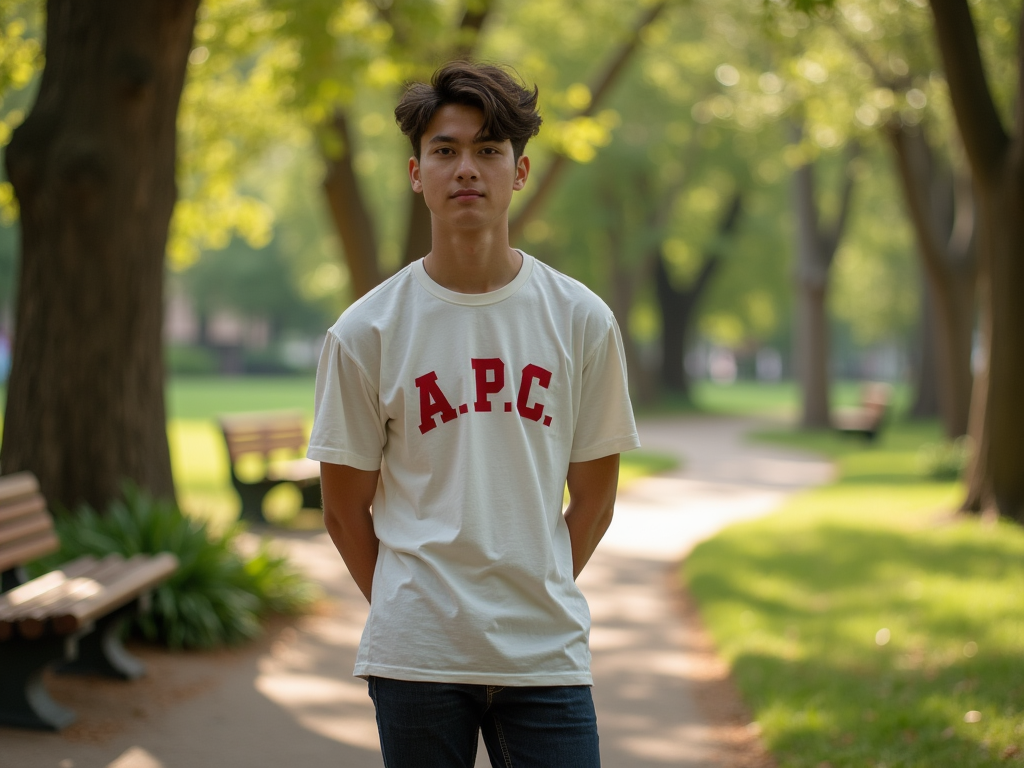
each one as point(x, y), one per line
point(311, 496)
point(24, 702)
point(11, 578)
point(102, 652)
point(252, 495)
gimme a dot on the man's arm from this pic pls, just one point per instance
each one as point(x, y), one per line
point(348, 494)
point(592, 487)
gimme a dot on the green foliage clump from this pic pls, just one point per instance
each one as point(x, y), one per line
point(215, 597)
point(945, 461)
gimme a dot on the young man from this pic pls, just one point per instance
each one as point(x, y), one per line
point(458, 399)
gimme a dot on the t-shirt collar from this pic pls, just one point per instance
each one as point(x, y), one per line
point(475, 299)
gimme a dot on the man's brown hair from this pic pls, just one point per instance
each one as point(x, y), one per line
point(509, 108)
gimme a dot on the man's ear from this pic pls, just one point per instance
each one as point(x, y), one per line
point(414, 175)
point(522, 172)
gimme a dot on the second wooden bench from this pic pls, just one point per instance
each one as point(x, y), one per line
point(276, 439)
point(867, 419)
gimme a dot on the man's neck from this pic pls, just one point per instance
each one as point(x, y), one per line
point(472, 262)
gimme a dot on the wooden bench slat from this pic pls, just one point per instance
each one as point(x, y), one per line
point(24, 528)
point(37, 589)
point(28, 551)
point(18, 484)
point(291, 429)
point(24, 507)
point(264, 448)
point(147, 572)
point(265, 443)
point(263, 432)
point(69, 590)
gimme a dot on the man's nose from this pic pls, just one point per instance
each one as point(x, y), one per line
point(467, 168)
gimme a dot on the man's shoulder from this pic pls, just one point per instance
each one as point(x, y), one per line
point(376, 308)
point(569, 291)
point(570, 295)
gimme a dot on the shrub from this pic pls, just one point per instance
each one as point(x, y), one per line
point(215, 597)
point(945, 461)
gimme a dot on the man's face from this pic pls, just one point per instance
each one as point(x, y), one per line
point(466, 182)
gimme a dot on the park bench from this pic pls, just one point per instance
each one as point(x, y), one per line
point(277, 440)
point(870, 416)
point(72, 617)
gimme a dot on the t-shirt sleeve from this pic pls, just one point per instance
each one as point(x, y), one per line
point(605, 422)
point(347, 427)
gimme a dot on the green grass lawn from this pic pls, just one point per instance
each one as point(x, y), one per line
point(206, 397)
point(868, 626)
point(776, 399)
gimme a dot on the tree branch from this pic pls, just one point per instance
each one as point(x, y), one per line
point(983, 134)
point(915, 179)
point(663, 212)
point(830, 238)
point(469, 28)
point(603, 84)
point(881, 79)
point(351, 215)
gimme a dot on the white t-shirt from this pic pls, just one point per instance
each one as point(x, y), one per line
point(472, 407)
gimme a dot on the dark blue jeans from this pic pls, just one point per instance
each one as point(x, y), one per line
point(435, 725)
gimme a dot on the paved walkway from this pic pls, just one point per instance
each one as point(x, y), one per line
point(289, 699)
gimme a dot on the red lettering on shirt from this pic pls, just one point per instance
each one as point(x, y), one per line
point(531, 373)
point(433, 402)
point(487, 386)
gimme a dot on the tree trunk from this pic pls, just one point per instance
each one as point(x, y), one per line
point(417, 236)
point(926, 378)
point(623, 279)
point(623, 290)
point(943, 223)
point(998, 469)
point(811, 320)
point(996, 158)
point(816, 249)
point(812, 346)
point(93, 169)
point(351, 217)
point(678, 306)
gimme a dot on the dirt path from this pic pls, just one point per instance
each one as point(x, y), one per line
point(289, 700)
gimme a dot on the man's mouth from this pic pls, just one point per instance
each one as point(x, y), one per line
point(468, 193)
